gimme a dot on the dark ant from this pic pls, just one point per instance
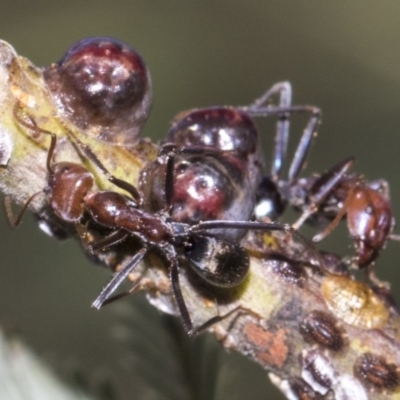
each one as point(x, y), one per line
point(219, 262)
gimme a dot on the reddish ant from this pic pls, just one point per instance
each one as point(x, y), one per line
point(333, 195)
point(368, 210)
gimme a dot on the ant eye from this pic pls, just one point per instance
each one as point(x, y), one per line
point(104, 88)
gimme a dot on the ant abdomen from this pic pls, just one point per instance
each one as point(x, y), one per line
point(370, 221)
point(221, 263)
point(222, 128)
point(102, 86)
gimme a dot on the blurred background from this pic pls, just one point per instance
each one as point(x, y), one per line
point(342, 56)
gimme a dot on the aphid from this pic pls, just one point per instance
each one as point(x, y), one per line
point(102, 86)
point(319, 327)
point(220, 262)
point(376, 372)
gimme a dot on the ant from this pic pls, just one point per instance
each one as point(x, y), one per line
point(330, 196)
point(368, 210)
point(220, 262)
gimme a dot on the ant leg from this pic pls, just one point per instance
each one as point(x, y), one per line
point(110, 240)
point(186, 319)
point(259, 108)
point(168, 152)
point(118, 278)
point(16, 221)
point(303, 148)
point(239, 310)
point(176, 288)
point(281, 140)
point(85, 150)
point(322, 235)
point(120, 296)
point(323, 187)
point(284, 90)
point(203, 227)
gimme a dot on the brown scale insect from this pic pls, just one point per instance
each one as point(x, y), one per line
point(354, 302)
point(319, 327)
point(374, 371)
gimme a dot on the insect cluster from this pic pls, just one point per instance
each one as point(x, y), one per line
point(207, 188)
